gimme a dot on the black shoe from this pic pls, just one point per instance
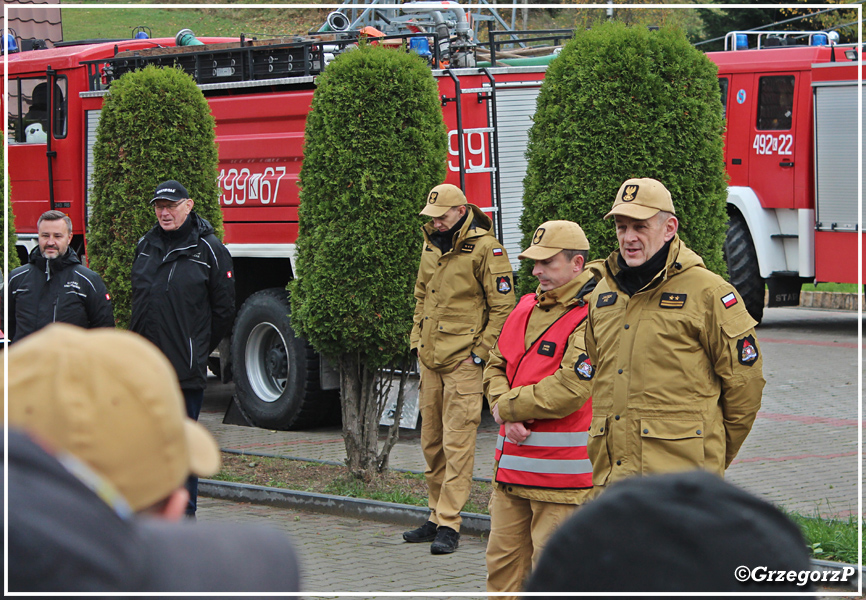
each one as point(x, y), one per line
point(446, 541)
point(425, 533)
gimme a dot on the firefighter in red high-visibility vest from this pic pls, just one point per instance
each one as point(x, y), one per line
point(538, 395)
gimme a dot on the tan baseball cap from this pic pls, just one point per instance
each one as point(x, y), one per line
point(554, 236)
point(442, 198)
point(641, 199)
point(110, 398)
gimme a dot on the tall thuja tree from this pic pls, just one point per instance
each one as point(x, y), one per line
point(375, 144)
point(155, 125)
point(623, 102)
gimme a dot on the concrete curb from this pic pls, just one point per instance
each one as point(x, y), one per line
point(386, 512)
point(832, 300)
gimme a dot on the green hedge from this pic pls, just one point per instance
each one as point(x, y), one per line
point(375, 145)
point(155, 125)
point(623, 102)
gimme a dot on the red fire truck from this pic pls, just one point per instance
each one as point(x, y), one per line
point(791, 153)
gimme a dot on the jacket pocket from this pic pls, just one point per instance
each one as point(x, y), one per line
point(597, 449)
point(450, 339)
point(668, 446)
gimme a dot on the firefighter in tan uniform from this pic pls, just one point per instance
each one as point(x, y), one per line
point(677, 367)
point(463, 295)
point(542, 471)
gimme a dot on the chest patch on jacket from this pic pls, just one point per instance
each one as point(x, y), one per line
point(583, 367)
point(503, 284)
point(747, 350)
point(547, 348)
point(606, 299)
point(467, 248)
point(672, 300)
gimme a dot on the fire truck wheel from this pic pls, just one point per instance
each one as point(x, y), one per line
point(276, 374)
point(742, 263)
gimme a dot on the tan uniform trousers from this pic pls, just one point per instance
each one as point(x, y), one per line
point(450, 413)
point(519, 529)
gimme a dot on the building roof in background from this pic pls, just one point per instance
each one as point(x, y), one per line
point(38, 19)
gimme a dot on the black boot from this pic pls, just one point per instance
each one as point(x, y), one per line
point(425, 533)
point(446, 541)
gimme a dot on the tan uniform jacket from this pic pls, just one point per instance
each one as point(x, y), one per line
point(678, 372)
point(462, 297)
point(555, 396)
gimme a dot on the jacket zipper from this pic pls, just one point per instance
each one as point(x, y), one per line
point(170, 273)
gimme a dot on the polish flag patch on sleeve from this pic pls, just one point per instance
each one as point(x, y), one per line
point(107, 296)
point(729, 300)
point(497, 252)
point(229, 274)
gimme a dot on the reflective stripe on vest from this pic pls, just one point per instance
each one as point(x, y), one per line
point(554, 455)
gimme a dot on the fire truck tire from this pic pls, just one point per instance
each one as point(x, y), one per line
point(742, 261)
point(276, 373)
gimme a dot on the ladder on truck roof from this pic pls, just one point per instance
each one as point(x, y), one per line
point(483, 93)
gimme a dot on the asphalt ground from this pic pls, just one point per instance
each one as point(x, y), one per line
point(801, 455)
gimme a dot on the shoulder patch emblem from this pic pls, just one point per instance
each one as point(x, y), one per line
point(672, 300)
point(547, 348)
point(583, 368)
point(503, 284)
point(747, 350)
point(606, 299)
point(729, 300)
point(467, 248)
point(497, 252)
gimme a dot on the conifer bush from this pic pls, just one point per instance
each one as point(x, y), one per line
point(9, 242)
point(622, 102)
point(375, 144)
point(155, 125)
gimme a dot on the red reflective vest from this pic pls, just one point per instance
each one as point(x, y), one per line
point(554, 455)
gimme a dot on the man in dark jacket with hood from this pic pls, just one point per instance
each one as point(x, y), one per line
point(54, 286)
point(183, 294)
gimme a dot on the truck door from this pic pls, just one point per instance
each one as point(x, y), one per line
point(738, 118)
point(773, 135)
point(28, 130)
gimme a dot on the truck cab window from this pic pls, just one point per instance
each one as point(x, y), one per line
point(723, 89)
point(775, 102)
point(28, 110)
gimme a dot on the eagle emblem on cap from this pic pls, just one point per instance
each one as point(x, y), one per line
point(539, 233)
point(431, 199)
point(629, 193)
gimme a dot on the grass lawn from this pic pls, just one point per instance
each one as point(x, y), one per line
point(118, 23)
point(848, 288)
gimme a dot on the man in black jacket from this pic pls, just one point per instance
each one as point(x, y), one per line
point(183, 294)
point(54, 286)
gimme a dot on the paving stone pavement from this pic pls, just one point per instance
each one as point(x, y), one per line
point(341, 555)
